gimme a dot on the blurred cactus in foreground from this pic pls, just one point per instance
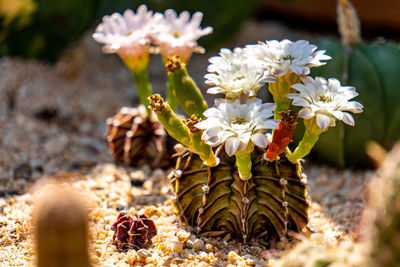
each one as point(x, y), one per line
point(383, 214)
point(61, 228)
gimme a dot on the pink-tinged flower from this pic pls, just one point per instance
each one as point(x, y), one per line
point(287, 56)
point(128, 34)
point(326, 100)
point(236, 125)
point(178, 35)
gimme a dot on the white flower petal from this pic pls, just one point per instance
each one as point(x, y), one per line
point(348, 119)
point(231, 145)
point(306, 113)
point(285, 56)
point(127, 33)
point(236, 74)
point(235, 123)
point(323, 121)
point(326, 98)
point(259, 139)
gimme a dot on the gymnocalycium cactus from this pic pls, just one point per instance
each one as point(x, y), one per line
point(234, 173)
point(231, 176)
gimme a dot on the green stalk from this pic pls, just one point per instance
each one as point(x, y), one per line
point(243, 162)
point(171, 95)
point(311, 135)
point(186, 90)
point(171, 122)
point(143, 85)
point(280, 89)
point(204, 151)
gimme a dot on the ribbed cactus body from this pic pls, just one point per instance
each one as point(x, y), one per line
point(136, 139)
point(216, 200)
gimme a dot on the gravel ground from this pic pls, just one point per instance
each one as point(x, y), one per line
point(52, 127)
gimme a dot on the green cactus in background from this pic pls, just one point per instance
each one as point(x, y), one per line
point(373, 69)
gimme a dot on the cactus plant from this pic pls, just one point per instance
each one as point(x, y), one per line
point(136, 139)
point(383, 214)
point(61, 228)
point(218, 201)
point(245, 191)
point(224, 180)
point(133, 232)
point(372, 68)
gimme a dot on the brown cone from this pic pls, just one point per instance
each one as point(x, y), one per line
point(136, 139)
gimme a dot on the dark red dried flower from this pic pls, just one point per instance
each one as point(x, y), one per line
point(283, 135)
point(135, 232)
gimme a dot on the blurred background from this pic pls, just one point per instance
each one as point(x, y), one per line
point(57, 88)
point(44, 28)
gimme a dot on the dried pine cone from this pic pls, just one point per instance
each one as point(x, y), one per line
point(136, 139)
point(135, 232)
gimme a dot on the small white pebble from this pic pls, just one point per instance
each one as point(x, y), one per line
point(143, 253)
point(209, 247)
point(183, 236)
point(178, 246)
point(232, 257)
point(189, 244)
point(203, 256)
point(198, 244)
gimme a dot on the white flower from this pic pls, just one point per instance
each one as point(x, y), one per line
point(285, 56)
point(178, 35)
point(237, 124)
point(129, 33)
point(235, 74)
point(325, 99)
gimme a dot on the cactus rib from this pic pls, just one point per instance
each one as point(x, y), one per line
point(216, 200)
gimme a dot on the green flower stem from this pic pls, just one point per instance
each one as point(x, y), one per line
point(243, 162)
point(311, 135)
point(280, 89)
point(204, 151)
point(171, 95)
point(143, 85)
point(186, 90)
point(171, 122)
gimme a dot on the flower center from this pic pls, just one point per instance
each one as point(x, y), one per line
point(177, 34)
point(238, 120)
point(238, 78)
point(324, 98)
point(288, 57)
point(129, 32)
